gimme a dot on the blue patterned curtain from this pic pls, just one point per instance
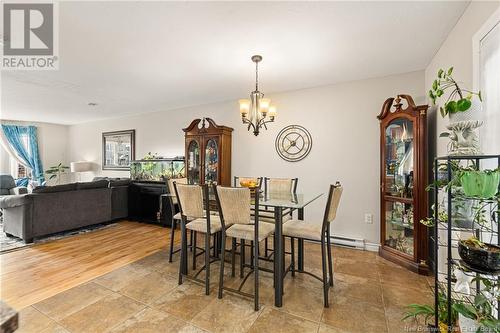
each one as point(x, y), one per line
point(31, 155)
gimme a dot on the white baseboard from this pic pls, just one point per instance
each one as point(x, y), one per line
point(372, 247)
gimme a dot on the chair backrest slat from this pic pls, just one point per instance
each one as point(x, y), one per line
point(234, 204)
point(190, 198)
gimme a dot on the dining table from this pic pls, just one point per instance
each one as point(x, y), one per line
point(281, 204)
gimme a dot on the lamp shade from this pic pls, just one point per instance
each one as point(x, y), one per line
point(81, 166)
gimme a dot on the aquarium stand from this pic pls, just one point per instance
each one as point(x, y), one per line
point(145, 203)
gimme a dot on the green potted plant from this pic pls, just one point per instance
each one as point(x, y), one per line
point(462, 106)
point(418, 311)
point(459, 101)
point(55, 172)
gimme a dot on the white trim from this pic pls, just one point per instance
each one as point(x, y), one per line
point(372, 247)
point(492, 21)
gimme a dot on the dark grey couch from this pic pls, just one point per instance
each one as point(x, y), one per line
point(64, 207)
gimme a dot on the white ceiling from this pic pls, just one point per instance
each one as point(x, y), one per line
point(138, 57)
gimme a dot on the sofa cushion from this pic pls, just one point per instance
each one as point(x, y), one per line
point(4, 191)
point(119, 182)
point(56, 188)
point(94, 184)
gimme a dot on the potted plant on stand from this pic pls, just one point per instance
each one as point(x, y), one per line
point(463, 107)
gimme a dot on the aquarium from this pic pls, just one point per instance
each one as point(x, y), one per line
point(158, 169)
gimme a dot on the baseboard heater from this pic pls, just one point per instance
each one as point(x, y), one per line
point(352, 243)
point(348, 242)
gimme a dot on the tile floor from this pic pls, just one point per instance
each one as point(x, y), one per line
point(369, 296)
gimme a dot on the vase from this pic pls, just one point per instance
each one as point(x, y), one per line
point(464, 139)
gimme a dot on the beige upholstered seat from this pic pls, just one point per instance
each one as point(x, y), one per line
point(177, 216)
point(302, 229)
point(246, 231)
point(200, 224)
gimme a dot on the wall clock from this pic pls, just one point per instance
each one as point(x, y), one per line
point(293, 143)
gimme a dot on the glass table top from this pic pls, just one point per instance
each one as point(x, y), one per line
point(280, 199)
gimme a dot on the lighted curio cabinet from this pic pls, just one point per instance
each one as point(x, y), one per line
point(208, 152)
point(403, 177)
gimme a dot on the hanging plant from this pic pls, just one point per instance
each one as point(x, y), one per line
point(459, 99)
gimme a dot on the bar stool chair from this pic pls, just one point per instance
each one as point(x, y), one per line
point(194, 207)
point(276, 186)
point(237, 223)
point(176, 217)
point(303, 230)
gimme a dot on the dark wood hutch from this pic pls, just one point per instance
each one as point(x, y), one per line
point(403, 179)
point(208, 152)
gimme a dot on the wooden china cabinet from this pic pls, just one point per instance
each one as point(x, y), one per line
point(403, 178)
point(208, 152)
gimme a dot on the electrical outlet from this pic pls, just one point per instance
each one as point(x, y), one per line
point(368, 218)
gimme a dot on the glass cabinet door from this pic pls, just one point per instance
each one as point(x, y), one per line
point(211, 161)
point(193, 162)
point(399, 158)
point(398, 186)
point(399, 226)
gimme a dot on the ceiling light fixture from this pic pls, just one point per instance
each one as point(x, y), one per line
point(257, 111)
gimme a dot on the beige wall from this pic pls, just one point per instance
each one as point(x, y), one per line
point(456, 51)
point(52, 143)
point(341, 119)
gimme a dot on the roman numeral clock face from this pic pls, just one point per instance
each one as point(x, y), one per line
point(293, 143)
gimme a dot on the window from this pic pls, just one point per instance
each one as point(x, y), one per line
point(18, 170)
point(487, 79)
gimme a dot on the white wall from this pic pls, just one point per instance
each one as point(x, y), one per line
point(456, 51)
point(52, 144)
point(341, 119)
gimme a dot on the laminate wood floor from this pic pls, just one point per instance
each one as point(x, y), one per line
point(32, 274)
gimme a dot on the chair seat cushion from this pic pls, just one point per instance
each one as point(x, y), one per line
point(302, 229)
point(268, 216)
point(200, 225)
point(177, 216)
point(246, 231)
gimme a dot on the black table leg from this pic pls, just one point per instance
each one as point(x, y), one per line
point(278, 257)
point(301, 244)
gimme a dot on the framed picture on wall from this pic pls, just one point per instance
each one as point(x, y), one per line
point(118, 149)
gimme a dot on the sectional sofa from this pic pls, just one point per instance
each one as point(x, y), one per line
point(65, 207)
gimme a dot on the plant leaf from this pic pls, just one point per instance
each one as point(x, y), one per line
point(435, 85)
point(463, 104)
point(450, 70)
point(450, 107)
point(440, 73)
point(479, 95)
point(442, 111)
point(444, 135)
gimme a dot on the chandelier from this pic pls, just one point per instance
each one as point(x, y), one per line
point(257, 111)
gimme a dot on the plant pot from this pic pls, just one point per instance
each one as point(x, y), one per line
point(482, 259)
point(473, 113)
point(480, 184)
